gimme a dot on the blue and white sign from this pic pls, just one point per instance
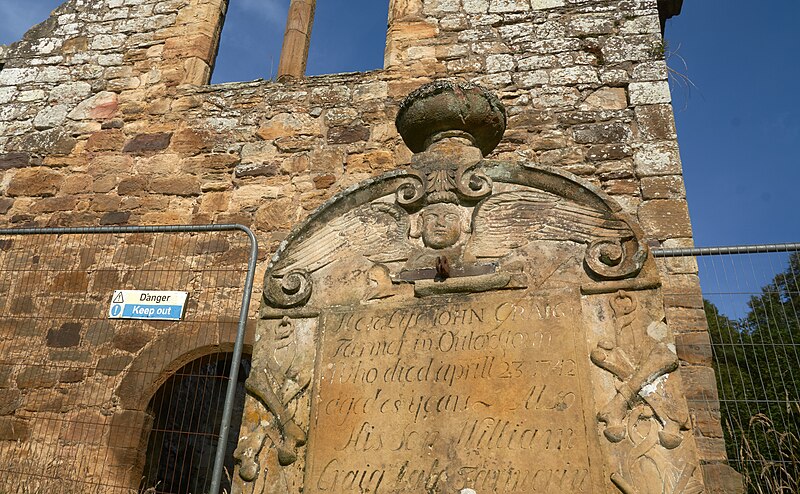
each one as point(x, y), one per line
point(147, 304)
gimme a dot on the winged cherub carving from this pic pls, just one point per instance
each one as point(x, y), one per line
point(443, 229)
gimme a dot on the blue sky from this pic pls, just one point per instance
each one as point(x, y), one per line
point(738, 120)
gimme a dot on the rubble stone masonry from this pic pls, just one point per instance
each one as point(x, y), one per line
point(107, 118)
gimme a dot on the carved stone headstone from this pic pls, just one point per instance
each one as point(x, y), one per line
point(465, 326)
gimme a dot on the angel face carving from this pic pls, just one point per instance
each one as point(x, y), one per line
point(442, 225)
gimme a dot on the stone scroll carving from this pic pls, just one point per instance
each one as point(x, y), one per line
point(447, 230)
point(476, 284)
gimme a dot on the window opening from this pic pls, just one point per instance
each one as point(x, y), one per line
point(250, 43)
point(350, 39)
point(346, 36)
point(187, 411)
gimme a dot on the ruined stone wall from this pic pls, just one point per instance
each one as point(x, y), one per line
point(106, 118)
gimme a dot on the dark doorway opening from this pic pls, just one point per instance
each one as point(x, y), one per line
point(187, 411)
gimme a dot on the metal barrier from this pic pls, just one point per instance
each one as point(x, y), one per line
point(90, 403)
point(751, 301)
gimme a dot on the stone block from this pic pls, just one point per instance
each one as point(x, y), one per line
point(41, 182)
point(147, 143)
point(682, 290)
point(636, 48)
point(476, 6)
point(132, 255)
point(324, 181)
point(50, 117)
point(14, 429)
point(700, 384)
point(499, 63)
point(115, 218)
point(590, 24)
point(189, 142)
point(328, 160)
point(132, 186)
point(711, 449)
point(270, 169)
point(604, 133)
point(686, 320)
point(70, 282)
point(5, 375)
point(656, 122)
point(9, 400)
point(609, 98)
point(129, 429)
point(53, 204)
point(105, 280)
point(84, 428)
point(176, 185)
point(663, 187)
point(37, 377)
point(107, 41)
point(722, 479)
point(183, 47)
point(110, 164)
point(22, 305)
point(213, 202)
point(657, 159)
point(67, 334)
point(130, 339)
point(574, 75)
point(14, 160)
point(649, 93)
point(106, 140)
point(114, 364)
point(694, 348)
point(546, 4)
point(371, 160)
point(212, 162)
point(665, 218)
point(71, 376)
point(650, 71)
point(706, 418)
point(295, 144)
point(606, 152)
point(276, 215)
point(348, 134)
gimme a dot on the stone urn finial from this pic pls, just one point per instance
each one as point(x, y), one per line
point(451, 109)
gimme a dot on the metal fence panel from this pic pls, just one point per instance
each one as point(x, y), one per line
point(752, 298)
point(90, 404)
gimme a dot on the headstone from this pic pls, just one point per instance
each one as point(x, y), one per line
point(465, 326)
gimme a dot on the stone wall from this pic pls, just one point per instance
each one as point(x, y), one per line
point(107, 118)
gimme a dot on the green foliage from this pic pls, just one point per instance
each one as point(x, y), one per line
point(757, 362)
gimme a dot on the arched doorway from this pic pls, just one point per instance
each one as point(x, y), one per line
point(187, 411)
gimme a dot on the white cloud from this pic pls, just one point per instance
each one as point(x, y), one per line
point(273, 11)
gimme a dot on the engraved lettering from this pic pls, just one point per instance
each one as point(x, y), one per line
point(333, 479)
point(480, 394)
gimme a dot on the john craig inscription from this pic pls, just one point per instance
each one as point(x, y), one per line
point(481, 394)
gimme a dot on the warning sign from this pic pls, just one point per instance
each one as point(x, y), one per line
point(147, 304)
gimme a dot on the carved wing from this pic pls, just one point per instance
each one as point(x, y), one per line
point(513, 219)
point(377, 231)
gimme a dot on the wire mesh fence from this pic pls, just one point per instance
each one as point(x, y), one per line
point(95, 404)
point(751, 302)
